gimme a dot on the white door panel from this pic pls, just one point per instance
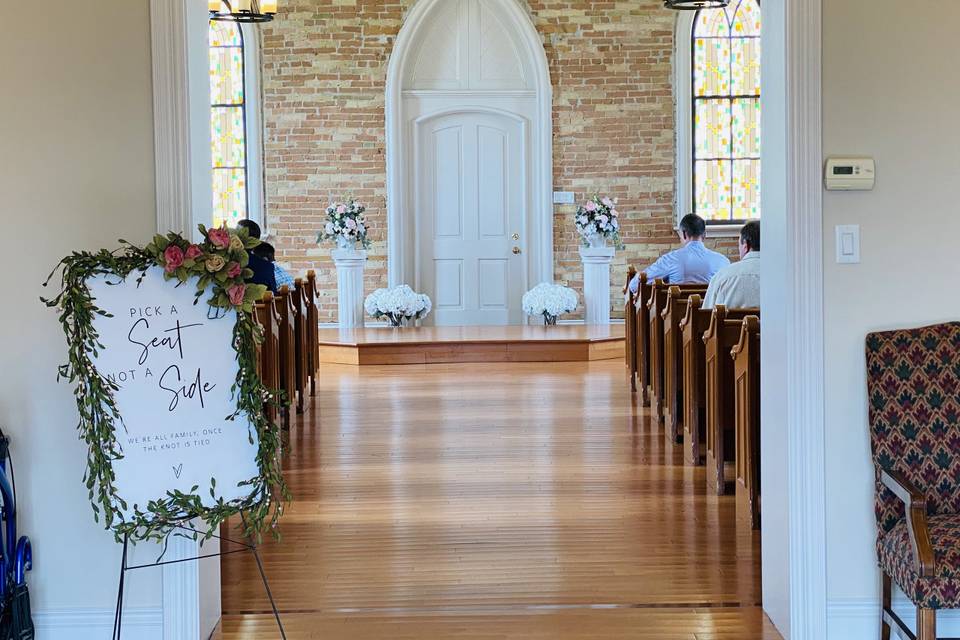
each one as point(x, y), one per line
point(470, 205)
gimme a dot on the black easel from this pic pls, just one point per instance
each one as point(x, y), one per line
point(244, 546)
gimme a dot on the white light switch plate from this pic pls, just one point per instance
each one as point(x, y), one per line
point(848, 244)
point(563, 197)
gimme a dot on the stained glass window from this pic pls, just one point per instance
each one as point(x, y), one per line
point(726, 112)
point(228, 135)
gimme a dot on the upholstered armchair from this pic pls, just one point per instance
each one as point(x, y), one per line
point(913, 384)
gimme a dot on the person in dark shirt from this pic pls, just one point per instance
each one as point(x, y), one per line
point(263, 272)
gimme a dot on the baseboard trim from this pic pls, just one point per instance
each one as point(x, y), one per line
point(855, 618)
point(144, 623)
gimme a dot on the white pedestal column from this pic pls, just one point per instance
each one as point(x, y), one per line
point(350, 263)
point(596, 283)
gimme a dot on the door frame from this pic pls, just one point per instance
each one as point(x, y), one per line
point(401, 133)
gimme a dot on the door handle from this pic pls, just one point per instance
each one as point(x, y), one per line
point(516, 251)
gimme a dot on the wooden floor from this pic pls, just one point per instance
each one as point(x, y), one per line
point(495, 501)
point(433, 345)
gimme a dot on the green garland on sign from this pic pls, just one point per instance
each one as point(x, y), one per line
point(220, 264)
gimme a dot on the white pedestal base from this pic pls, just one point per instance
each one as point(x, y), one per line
point(350, 263)
point(596, 283)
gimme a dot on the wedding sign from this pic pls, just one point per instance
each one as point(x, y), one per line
point(174, 365)
point(162, 354)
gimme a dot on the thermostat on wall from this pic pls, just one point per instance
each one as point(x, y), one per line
point(850, 174)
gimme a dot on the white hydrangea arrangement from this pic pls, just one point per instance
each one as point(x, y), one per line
point(346, 224)
point(398, 305)
point(598, 220)
point(549, 300)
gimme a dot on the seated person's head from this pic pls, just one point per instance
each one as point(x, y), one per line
point(266, 251)
point(692, 227)
point(750, 237)
point(253, 229)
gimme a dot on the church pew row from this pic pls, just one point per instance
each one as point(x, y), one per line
point(656, 304)
point(746, 358)
point(641, 332)
point(629, 319)
point(673, 314)
point(721, 337)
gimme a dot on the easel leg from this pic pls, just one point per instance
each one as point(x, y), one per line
point(118, 615)
point(266, 586)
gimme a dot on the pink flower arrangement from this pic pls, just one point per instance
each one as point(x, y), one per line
point(233, 271)
point(193, 252)
point(597, 220)
point(236, 293)
point(219, 238)
point(172, 258)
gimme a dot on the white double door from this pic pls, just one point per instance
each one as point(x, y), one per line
point(469, 200)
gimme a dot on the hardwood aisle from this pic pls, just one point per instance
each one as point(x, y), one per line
point(495, 501)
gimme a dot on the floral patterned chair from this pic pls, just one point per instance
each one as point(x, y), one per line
point(913, 384)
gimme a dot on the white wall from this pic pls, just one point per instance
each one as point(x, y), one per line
point(890, 91)
point(76, 172)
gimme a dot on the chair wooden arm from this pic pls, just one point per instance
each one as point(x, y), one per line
point(915, 502)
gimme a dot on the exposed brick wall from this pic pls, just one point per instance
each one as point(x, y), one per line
point(324, 76)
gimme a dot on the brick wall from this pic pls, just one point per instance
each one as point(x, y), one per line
point(324, 75)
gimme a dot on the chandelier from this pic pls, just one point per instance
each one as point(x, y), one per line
point(242, 10)
point(694, 5)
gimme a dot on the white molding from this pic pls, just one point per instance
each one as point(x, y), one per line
point(171, 114)
point(400, 252)
point(682, 90)
point(860, 618)
point(804, 330)
point(96, 624)
point(481, 93)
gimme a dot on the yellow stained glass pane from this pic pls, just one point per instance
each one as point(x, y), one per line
point(746, 189)
point(226, 75)
point(711, 23)
point(229, 196)
point(227, 137)
point(711, 70)
point(746, 21)
point(712, 128)
point(713, 189)
point(746, 128)
point(224, 34)
point(746, 66)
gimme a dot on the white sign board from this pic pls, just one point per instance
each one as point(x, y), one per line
point(175, 364)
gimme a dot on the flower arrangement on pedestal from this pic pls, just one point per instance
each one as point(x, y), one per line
point(346, 224)
point(550, 301)
point(597, 221)
point(398, 305)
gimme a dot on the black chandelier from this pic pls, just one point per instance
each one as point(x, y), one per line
point(242, 10)
point(695, 5)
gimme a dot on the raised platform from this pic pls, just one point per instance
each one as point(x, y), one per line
point(425, 345)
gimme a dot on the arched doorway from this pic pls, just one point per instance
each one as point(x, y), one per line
point(469, 159)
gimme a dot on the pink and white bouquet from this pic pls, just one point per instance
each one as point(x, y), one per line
point(346, 225)
point(598, 221)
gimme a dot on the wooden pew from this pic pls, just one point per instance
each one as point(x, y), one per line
point(313, 330)
point(673, 313)
point(746, 367)
point(655, 305)
point(695, 323)
point(298, 302)
point(642, 332)
point(719, 339)
point(288, 371)
point(269, 350)
point(630, 321)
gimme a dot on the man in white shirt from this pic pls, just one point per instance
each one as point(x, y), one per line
point(738, 286)
point(690, 264)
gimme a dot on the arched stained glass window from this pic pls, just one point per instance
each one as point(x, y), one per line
point(726, 112)
point(228, 123)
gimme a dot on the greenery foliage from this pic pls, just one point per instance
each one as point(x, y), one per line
point(219, 264)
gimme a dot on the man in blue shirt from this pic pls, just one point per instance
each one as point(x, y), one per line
point(690, 264)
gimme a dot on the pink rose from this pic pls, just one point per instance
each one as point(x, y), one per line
point(193, 252)
point(173, 258)
point(607, 202)
point(219, 237)
point(233, 271)
point(351, 223)
point(341, 209)
point(590, 206)
point(235, 293)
